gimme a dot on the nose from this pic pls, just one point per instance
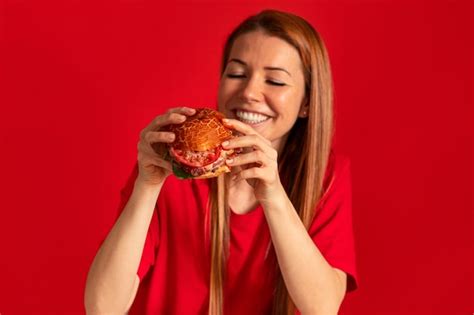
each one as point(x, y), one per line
point(251, 90)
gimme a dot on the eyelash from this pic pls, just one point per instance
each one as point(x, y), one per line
point(236, 76)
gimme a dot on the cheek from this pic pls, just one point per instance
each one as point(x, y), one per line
point(222, 96)
point(287, 102)
point(226, 91)
point(220, 90)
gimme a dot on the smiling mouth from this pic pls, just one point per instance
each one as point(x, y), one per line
point(250, 118)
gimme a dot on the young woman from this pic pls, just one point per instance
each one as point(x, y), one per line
point(274, 236)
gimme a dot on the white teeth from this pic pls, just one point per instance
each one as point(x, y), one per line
point(251, 117)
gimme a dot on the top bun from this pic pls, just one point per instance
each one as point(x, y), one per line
point(200, 132)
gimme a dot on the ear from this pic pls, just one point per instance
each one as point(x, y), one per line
point(304, 109)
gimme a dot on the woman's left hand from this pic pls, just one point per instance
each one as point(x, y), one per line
point(259, 165)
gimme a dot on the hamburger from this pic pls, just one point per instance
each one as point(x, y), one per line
point(196, 151)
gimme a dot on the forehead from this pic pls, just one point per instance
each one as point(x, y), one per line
point(259, 49)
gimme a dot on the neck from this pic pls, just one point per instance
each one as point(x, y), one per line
point(279, 144)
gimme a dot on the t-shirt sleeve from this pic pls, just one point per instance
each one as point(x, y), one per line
point(151, 242)
point(332, 229)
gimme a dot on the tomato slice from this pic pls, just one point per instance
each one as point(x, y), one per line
point(196, 158)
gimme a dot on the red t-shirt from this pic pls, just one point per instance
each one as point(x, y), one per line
point(175, 266)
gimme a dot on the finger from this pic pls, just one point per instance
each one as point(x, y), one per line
point(167, 119)
point(163, 120)
point(244, 128)
point(159, 136)
point(149, 159)
point(174, 115)
point(255, 141)
point(152, 148)
point(155, 149)
point(154, 142)
point(254, 172)
point(257, 157)
point(162, 163)
point(239, 126)
point(183, 110)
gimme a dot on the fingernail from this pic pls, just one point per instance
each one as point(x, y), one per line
point(230, 161)
point(225, 120)
point(225, 143)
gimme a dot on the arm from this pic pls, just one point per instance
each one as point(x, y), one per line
point(112, 282)
point(314, 285)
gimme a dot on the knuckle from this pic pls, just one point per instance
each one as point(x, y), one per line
point(148, 135)
point(157, 120)
point(157, 123)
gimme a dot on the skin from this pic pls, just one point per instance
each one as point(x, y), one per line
point(256, 89)
point(248, 84)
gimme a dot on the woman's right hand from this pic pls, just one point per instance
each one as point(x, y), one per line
point(152, 168)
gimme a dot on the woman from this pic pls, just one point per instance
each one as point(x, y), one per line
point(280, 240)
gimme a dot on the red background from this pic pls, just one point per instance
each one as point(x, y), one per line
point(79, 80)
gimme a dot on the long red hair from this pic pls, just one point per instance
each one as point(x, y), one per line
point(302, 164)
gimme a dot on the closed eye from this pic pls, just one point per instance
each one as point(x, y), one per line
point(237, 76)
point(275, 83)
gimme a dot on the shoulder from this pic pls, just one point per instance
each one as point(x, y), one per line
point(338, 165)
point(335, 206)
point(338, 176)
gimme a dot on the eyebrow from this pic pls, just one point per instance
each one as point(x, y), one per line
point(266, 68)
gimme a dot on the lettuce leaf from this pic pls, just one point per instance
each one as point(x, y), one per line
point(179, 172)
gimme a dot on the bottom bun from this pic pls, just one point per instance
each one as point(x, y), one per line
point(218, 171)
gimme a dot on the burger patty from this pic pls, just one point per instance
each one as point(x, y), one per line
point(198, 171)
